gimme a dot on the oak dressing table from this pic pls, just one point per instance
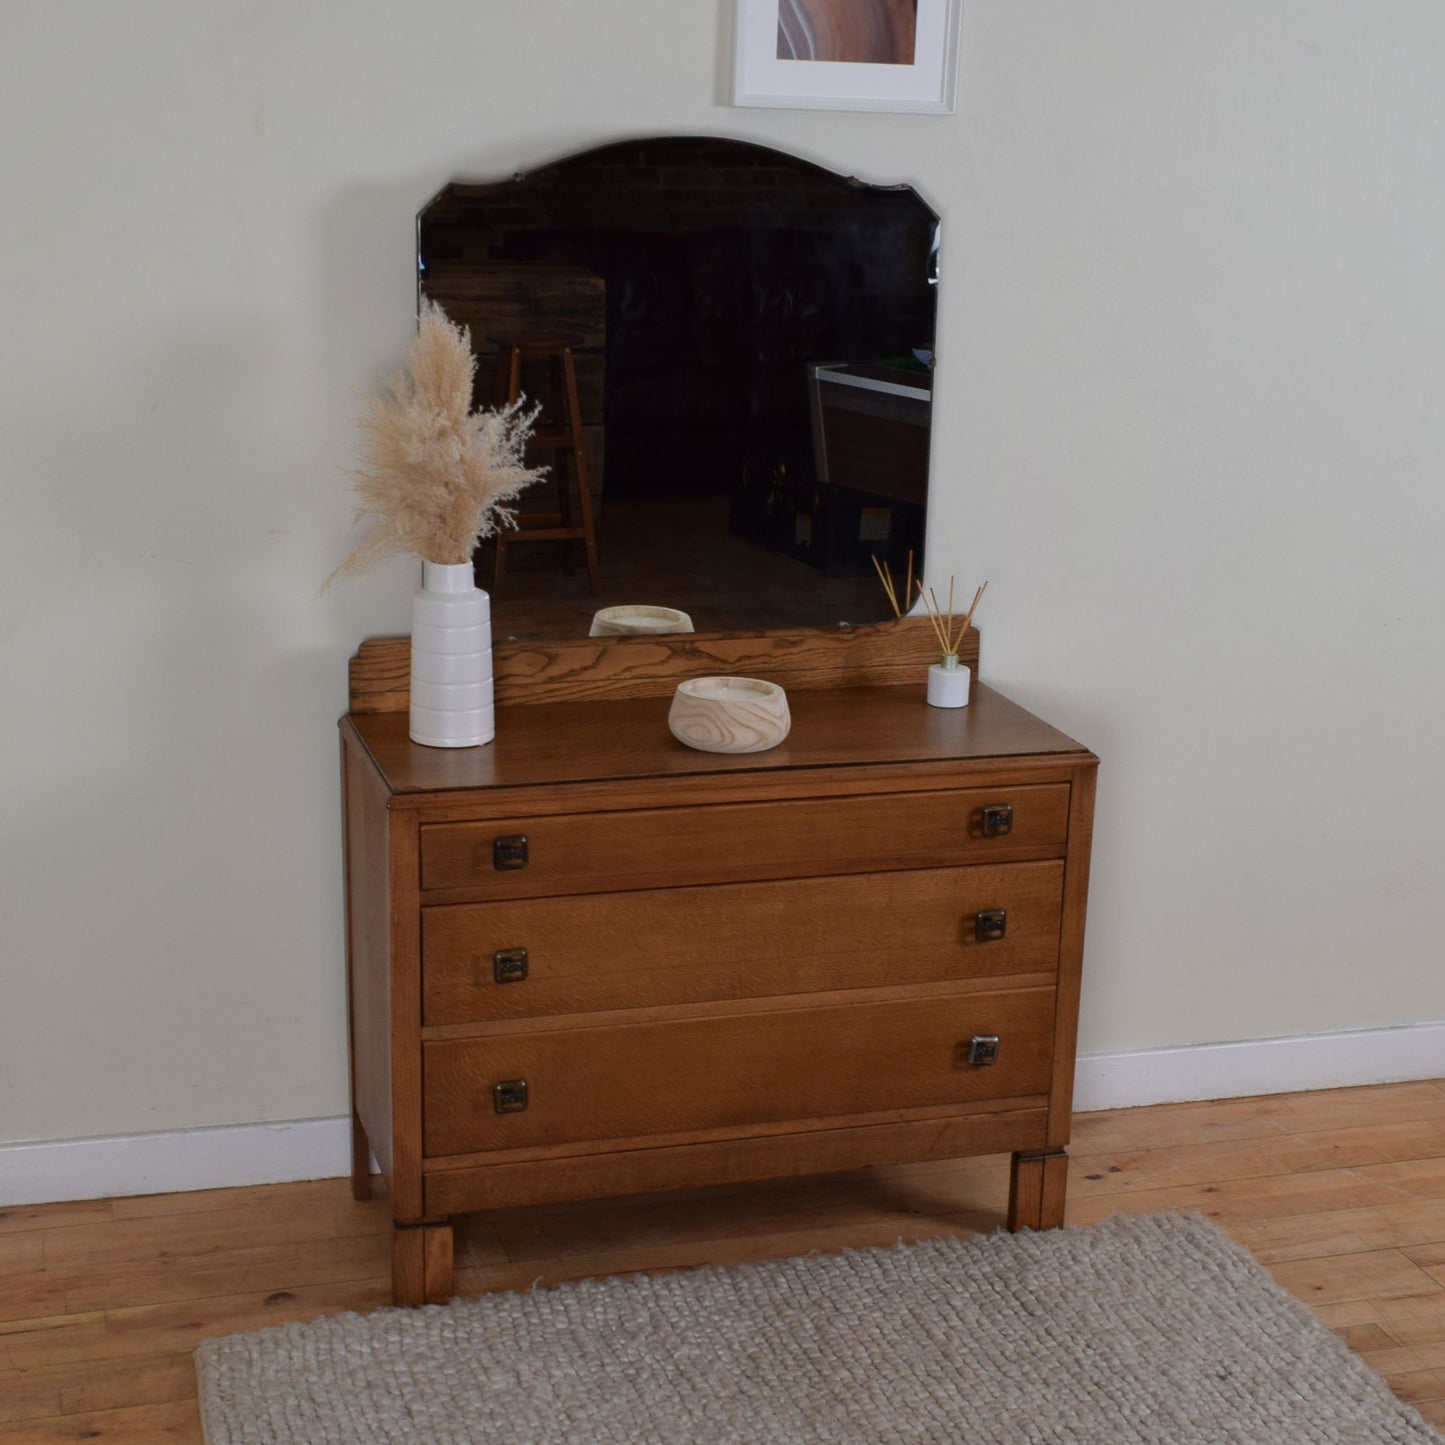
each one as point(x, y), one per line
point(585, 960)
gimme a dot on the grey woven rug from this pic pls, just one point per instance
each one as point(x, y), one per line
point(1153, 1328)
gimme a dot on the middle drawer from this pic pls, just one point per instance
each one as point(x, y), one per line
point(539, 956)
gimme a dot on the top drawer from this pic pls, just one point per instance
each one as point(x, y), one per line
point(663, 847)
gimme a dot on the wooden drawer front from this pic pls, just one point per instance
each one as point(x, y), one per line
point(736, 940)
point(721, 1072)
point(664, 847)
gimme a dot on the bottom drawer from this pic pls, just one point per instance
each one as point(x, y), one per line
point(504, 1181)
point(723, 1071)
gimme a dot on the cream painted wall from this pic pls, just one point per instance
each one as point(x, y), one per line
point(1190, 427)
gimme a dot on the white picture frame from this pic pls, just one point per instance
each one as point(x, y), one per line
point(928, 86)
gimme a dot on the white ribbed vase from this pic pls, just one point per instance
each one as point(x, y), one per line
point(451, 659)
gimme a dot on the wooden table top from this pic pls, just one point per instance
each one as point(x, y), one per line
point(588, 742)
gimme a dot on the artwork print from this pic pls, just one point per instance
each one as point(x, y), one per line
point(847, 54)
point(870, 32)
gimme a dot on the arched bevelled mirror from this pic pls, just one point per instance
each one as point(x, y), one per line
point(752, 340)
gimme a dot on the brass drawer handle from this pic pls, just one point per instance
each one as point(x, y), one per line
point(509, 965)
point(510, 1096)
point(990, 924)
point(997, 820)
point(983, 1050)
point(509, 852)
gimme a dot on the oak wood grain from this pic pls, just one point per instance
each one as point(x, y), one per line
point(1037, 1187)
point(703, 1141)
point(854, 731)
point(896, 653)
point(368, 897)
point(1071, 958)
point(508, 1183)
point(678, 945)
point(404, 1183)
point(785, 861)
point(726, 1070)
point(422, 1264)
point(604, 852)
point(762, 1003)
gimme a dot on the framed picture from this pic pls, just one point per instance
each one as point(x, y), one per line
point(847, 54)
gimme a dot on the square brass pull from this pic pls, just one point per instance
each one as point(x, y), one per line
point(510, 1096)
point(509, 965)
point(997, 820)
point(990, 924)
point(509, 853)
point(983, 1050)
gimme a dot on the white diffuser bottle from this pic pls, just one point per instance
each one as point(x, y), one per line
point(948, 682)
point(451, 659)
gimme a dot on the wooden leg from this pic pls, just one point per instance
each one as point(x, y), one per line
point(499, 565)
point(579, 467)
point(562, 473)
point(421, 1263)
point(1036, 1190)
point(360, 1161)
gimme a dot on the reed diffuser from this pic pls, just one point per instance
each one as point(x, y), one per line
point(948, 679)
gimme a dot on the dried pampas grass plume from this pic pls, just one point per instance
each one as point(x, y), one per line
point(435, 475)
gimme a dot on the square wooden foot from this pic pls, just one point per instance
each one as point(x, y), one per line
point(1036, 1190)
point(421, 1264)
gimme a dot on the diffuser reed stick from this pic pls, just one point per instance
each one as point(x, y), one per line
point(885, 576)
point(949, 637)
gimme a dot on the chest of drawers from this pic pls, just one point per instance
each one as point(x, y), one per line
point(586, 961)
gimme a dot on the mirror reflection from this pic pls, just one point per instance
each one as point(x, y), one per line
point(733, 349)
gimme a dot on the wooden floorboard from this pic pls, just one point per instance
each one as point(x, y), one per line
point(1341, 1194)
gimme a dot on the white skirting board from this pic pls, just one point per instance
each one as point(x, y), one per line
point(172, 1163)
point(1259, 1066)
point(321, 1148)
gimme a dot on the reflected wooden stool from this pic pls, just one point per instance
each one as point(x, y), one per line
point(560, 432)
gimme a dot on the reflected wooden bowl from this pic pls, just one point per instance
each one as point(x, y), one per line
point(729, 714)
point(638, 621)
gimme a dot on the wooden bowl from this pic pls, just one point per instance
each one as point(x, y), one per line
point(638, 621)
point(729, 714)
